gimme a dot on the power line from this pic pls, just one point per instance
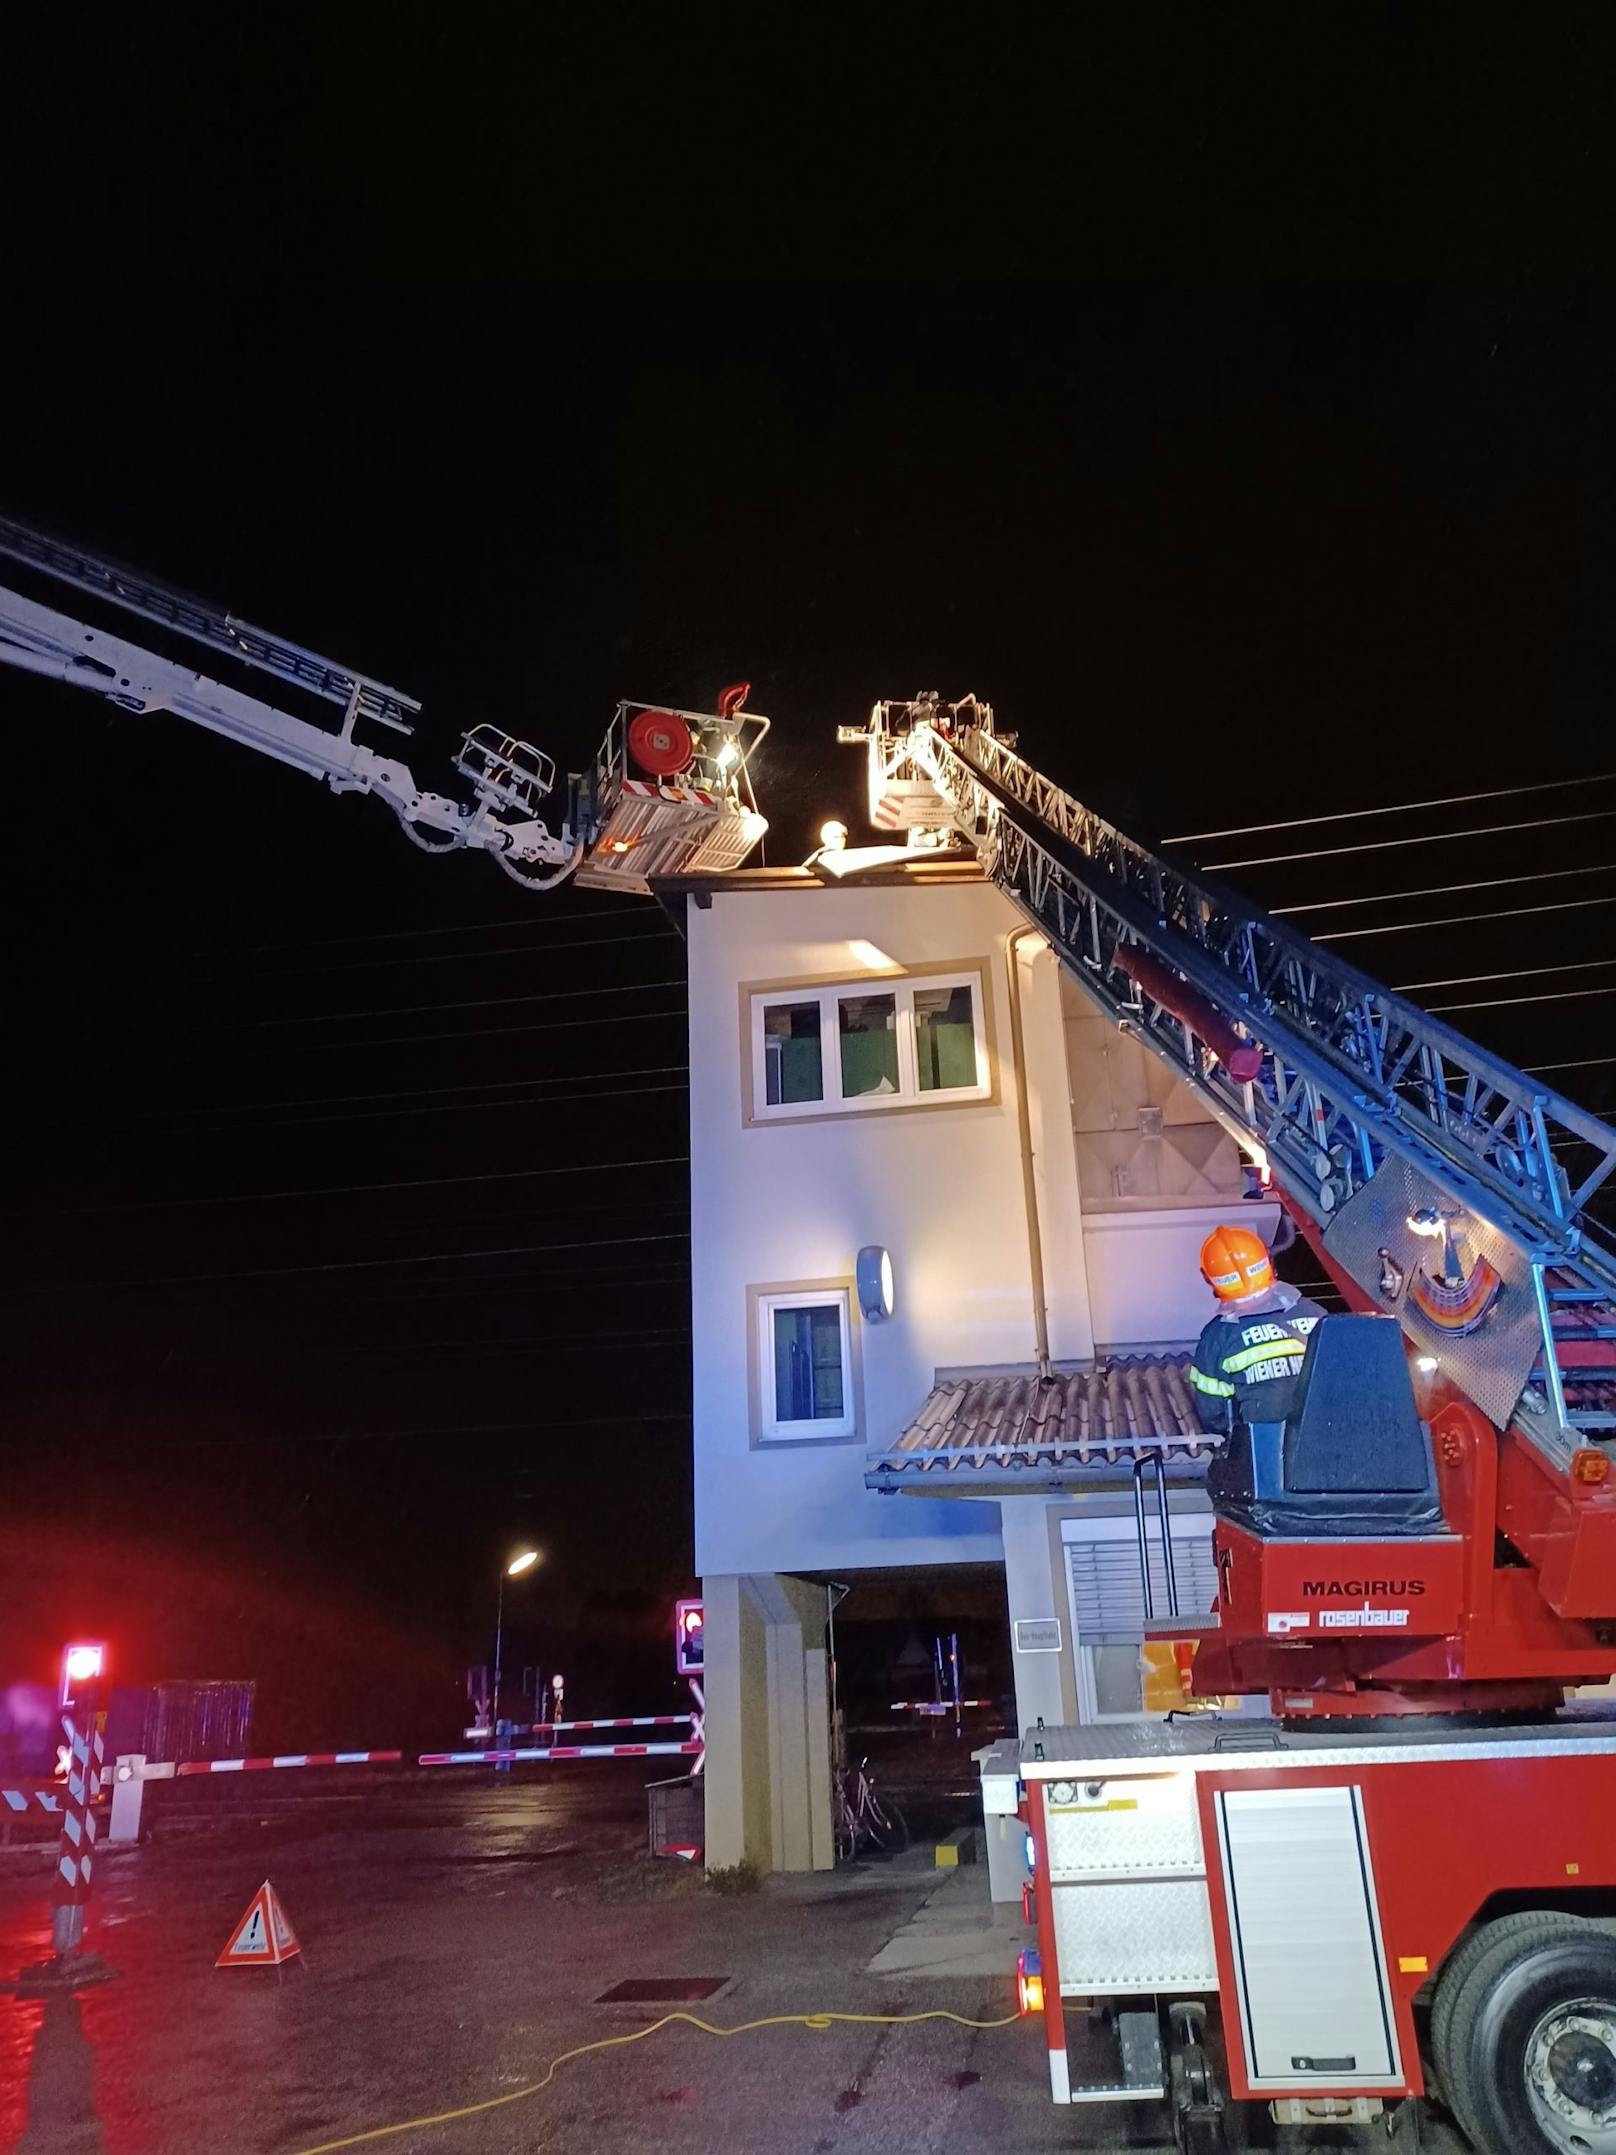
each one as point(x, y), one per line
point(1398, 808)
point(554, 1348)
point(417, 1092)
point(535, 1425)
point(1508, 1002)
point(376, 1264)
point(1460, 920)
point(472, 1107)
point(1524, 972)
point(668, 934)
point(1428, 838)
point(1581, 1062)
point(484, 1032)
point(1440, 890)
point(358, 1189)
point(469, 927)
point(411, 1010)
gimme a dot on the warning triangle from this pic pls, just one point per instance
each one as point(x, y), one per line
point(263, 1938)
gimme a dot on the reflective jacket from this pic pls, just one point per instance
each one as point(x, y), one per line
point(1247, 1361)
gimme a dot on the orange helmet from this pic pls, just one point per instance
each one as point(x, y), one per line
point(1236, 1263)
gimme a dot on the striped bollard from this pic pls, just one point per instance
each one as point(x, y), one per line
point(698, 1725)
point(75, 1858)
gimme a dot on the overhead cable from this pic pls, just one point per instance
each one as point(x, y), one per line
point(482, 1032)
point(415, 1092)
point(624, 905)
point(472, 1107)
point(1460, 920)
point(1440, 890)
point(668, 934)
point(411, 1010)
point(1427, 838)
point(376, 1264)
point(535, 1425)
point(427, 1182)
point(1523, 972)
point(1396, 808)
point(1507, 1002)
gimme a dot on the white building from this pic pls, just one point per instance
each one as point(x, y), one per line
point(890, 1060)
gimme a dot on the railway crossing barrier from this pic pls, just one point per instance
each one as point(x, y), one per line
point(131, 1771)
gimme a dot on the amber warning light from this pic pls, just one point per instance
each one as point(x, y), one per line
point(688, 1626)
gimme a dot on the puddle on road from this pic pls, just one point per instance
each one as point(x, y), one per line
point(662, 1990)
point(538, 1855)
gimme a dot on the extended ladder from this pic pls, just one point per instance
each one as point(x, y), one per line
point(1328, 1071)
point(357, 693)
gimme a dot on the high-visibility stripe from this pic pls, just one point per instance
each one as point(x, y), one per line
point(1215, 1385)
point(1268, 1350)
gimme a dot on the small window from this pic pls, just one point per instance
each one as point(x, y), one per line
point(852, 1047)
point(868, 1029)
point(945, 1037)
point(793, 1061)
point(805, 1365)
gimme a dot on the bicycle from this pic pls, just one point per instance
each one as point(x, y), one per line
point(864, 1818)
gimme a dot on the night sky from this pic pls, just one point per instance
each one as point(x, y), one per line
point(282, 1083)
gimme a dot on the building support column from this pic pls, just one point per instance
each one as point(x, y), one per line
point(1040, 1622)
point(768, 1743)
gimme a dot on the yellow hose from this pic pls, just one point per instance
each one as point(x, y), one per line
point(817, 2021)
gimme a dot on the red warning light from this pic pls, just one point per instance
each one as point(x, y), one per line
point(689, 1623)
point(82, 1663)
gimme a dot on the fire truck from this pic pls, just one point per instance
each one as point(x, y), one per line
point(1397, 1878)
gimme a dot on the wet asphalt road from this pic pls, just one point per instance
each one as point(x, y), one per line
point(456, 1938)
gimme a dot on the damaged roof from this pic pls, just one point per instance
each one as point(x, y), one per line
point(1000, 1425)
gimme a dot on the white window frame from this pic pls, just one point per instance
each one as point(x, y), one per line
point(832, 1101)
point(823, 1429)
point(1186, 1526)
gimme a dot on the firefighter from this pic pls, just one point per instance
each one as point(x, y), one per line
point(1249, 1357)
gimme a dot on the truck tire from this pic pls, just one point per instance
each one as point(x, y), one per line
point(1485, 1940)
point(1530, 2037)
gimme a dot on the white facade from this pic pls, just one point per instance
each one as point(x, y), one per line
point(794, 1201)
point(1126, 1178)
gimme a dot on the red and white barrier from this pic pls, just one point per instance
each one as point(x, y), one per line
point(537, 1728)
point(290, 1758)
point(934, 1706)
point(575, 1750)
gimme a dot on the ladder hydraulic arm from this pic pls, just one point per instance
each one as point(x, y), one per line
point(1318, 1071)
point(508, 778)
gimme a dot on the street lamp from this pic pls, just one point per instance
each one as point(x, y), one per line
point(523, 1561)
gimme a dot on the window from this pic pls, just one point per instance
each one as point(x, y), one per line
point(804, 1364)
point(1108, 1602)
point(851, 1046)
point(793, 1062)
point(867, 1026)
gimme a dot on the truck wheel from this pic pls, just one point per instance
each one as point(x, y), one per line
point(1484, 1941)
point(1531, 2041)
